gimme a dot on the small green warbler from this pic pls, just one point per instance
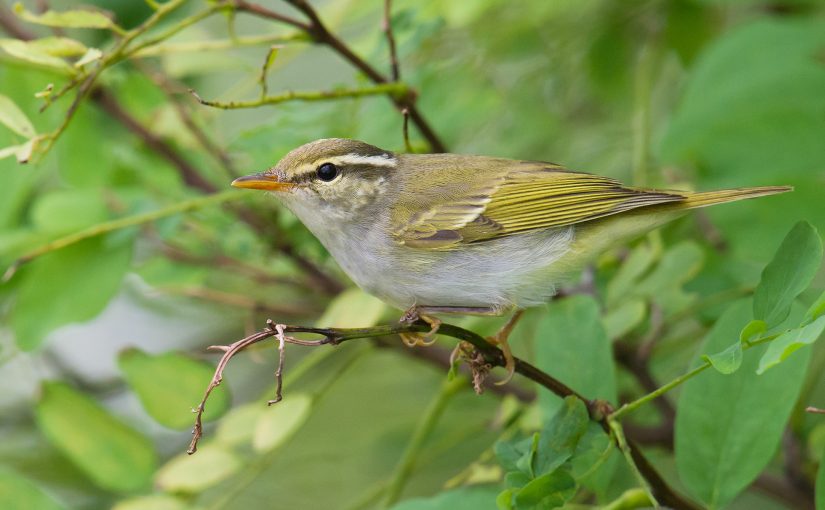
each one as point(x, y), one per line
point(448, 233)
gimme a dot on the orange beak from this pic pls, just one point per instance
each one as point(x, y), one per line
point(264, 181)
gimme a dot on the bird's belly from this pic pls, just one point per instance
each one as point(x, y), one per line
point(520, 270)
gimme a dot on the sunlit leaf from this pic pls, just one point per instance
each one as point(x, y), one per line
point(153, 502)
point(115, 456)
point(238, 425)
point(13, 118)
point(729, 426)
point(91, 55)
point(789, 273)
point(66, 19)
point(169, 385)
point(31, 53)
point(58, 46)
point(281, 421)
point(353, 308)
point(194, 473)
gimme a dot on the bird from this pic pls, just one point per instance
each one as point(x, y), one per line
point(464, 234)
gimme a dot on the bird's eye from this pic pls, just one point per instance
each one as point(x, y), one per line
point(327, 172)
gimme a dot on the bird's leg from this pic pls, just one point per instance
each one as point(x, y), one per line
point(413, 314)
point(424, 313)
point(500, 339)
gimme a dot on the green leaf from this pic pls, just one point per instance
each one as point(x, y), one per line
point(816, 310)
point(64, 211)
point(820, 484)
point(151, 377)
point(510, 452)
point(153, 502)
point(59, 46)
point(789, 273)
point(67, 19)
point(353, 308)
point(560, 436)
point(782, 347)
point(13, 118)
point(621, 285)
point(280, 422)
point(749, 114)
point(727, 361)
point(18, 492)
point(728, 427)
point(28, 52)
point(572, 346)
point(550, 490)
point(74, 284)
point(238, 425)
point(193, 473)
point(115, 456)
point(465, 498)
point(621, 320)
point(678, 265)
point(752, 331)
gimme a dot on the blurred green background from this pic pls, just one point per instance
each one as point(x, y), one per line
point(102, 343)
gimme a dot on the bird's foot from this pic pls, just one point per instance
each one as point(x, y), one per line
point(500, 341)
point(419, 339)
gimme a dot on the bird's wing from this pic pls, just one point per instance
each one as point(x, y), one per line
point(523, 197)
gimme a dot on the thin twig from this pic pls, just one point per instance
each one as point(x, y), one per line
point(386, 26)
point(393, 89)
point(405, 113)
point(320, 34)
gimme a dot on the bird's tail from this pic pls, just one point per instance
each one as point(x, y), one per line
point(694, 200)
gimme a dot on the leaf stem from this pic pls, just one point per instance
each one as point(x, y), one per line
point(618, 434)
point(121, 223)
point(632, 406)
point(434, 411)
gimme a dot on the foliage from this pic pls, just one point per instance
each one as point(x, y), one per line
point(124, 256)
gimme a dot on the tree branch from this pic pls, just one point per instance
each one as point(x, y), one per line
point(490, 355)
point(320, 34)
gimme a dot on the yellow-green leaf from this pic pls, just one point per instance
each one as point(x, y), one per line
point(75, 18)
point(169, 385)
point(115, 456)
point(194, 473)
point(238, 425)
point(153, 502)
point(30, 53)
point(281, 421)
point(13, 118)
point(353, 308)
point(18, 492)
point(58, 46)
